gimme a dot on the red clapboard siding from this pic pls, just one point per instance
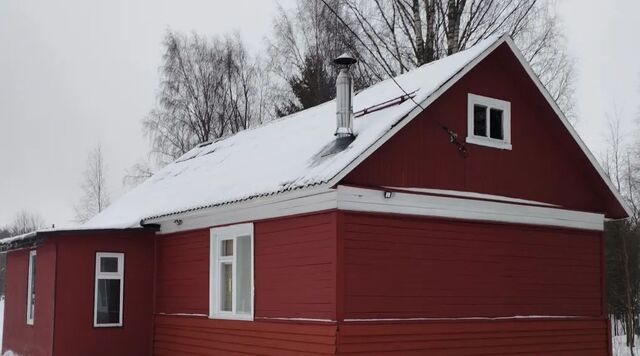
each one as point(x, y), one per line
point(463, 338)
point(407, 267)
point(182, 281)
point(545, 163)
point(184, 336)
point(36, 340)
point(75, 334)
point(295, 267)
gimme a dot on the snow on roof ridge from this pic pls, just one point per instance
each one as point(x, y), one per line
point(280, 155)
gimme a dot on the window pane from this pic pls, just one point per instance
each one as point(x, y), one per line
point(244, 275)
point(109, 264)
point(227, 248)
point(32, 287)
point(226, 287)
point(108, 308)
point(480, 120)
point(496, 129)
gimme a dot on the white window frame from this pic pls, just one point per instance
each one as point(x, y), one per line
point(108, 275)
point(217, 235)
point(490, 103)
point(30, 279)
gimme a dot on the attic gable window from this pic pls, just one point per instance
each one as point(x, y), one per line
point(488, 122)
point(231, 272)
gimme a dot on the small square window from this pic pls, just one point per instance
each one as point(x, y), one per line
point(227, 248)
point(488, 122)
point(109, 264)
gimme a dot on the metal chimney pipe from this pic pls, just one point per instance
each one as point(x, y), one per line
point(344, 96)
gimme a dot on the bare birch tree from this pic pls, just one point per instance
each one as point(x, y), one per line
point(25, 221)
point(304, 42)
point(622, 238)
point(208, 90)
point(403, 34)
point(95, 196)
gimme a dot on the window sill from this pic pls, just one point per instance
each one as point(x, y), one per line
point(482, 141)
point(224, 316)
point(107, 325)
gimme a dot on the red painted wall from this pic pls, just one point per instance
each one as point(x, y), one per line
point(411, 267)
point(182, 280)
point(295, 269)
point(545, 163)
point(565, 337)
point(74, 295)
point(36, 340)
point(199, 336)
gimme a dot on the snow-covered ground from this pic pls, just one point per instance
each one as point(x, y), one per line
point(620, 348)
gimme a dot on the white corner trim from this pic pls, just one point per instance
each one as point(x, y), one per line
point(525, 64)
point(370, 200)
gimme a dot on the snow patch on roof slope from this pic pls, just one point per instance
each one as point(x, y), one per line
point(279, 156)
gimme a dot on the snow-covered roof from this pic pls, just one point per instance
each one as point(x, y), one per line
point(17, 241)
point(290, 153)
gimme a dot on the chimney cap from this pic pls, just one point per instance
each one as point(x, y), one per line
point(345, 59)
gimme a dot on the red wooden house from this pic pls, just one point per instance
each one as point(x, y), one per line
point(462, 215)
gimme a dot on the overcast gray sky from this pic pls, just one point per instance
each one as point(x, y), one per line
point(75, 72)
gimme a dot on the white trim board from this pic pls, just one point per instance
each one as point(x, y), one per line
point(472, 195)
point(251, 210)
point(369, 200)
point(407, 203)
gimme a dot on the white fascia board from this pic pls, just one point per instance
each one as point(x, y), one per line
point(305, 201)
point(525, 64)
point(472, 195)
point(370, 200)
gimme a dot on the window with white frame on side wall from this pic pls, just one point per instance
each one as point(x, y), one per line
point(31, 288)
point(231, 290)
point(488, 122)
point(109, 289)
